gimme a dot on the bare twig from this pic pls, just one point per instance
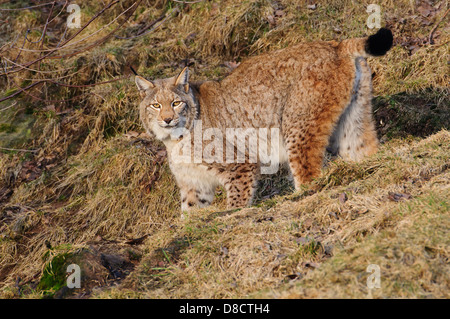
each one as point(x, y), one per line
point(26, 8)
point(35, 70)
point(430, 37)
point(72, 37)
point(8, 107)
point(28, 31)
point(64, 46)
point(21, 90)
point(153, 26)
point(14, 67)
point(18, 149)
point(89, 85)
point(54, 101)
point(98, 42)
point(45, 30)
point(188, 2)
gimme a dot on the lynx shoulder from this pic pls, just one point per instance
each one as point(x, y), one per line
point(290, 106)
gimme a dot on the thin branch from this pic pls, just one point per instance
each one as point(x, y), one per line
point(8, 107)
point(29, 30)
point(21, 90)
point(98, 42)
point(60, 47)
point(58, 77)
point(62, 9)
point(18, 149)
point(89, 85)
point(430, 37)
point(35, 70)
point(55, 101)
point(26, 8)
point(154, 25)
point(187, 2)
point(16, 67)
point(72, 37)
point(45, 30)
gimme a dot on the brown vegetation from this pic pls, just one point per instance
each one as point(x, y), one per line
point(80, 182)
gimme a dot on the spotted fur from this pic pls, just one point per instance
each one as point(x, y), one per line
point(317, 94)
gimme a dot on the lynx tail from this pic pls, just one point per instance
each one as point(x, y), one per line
point(375, 45)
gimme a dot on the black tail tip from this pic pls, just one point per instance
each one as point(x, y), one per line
point(379, 43)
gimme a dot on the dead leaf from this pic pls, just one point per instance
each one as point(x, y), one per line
point(424, 11)
point(214, 9)
point(396, 197)
point(161, 155)
point(308, 223)
point(426, 22)
point(302, 240)
point(50, 107)
point(343, 198)
point(292, 277)
point(265, 219)
point(136, 241)
point(232, 64)
point(333, 214)
point(280, 13)
point(29, 171)
point(309, 264)
point(131, 134)
point(5, 193)
point(223, 251)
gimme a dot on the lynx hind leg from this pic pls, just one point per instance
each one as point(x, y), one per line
point(355, 136)
point(305, 154)
point(240, 181)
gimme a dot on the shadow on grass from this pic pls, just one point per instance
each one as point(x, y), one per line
point(416, 114)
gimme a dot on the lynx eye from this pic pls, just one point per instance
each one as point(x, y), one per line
point(176, 103)
point(155, 105)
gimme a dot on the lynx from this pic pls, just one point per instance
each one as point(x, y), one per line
point(318, 95)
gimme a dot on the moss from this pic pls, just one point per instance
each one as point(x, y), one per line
point(54, 275)
point(7, 128)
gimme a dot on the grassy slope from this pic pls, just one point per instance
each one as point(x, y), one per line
point(273, 250)
point(96, 188)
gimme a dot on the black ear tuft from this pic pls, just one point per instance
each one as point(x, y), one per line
point(379, 43)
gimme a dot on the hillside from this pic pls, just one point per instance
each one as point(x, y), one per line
point(81, 183)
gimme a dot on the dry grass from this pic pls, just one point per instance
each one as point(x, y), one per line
point(272, 247)
point(96, 186)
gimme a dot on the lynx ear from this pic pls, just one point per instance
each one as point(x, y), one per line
point(143, 84)
point(182, 79)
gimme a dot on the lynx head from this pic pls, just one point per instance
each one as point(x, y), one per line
point(167, 105)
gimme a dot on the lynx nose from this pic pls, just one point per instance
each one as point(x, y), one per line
point(167, 120)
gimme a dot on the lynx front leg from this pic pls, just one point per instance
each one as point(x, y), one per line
point(196, 193)
point(196, 197)
point(240, 182)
